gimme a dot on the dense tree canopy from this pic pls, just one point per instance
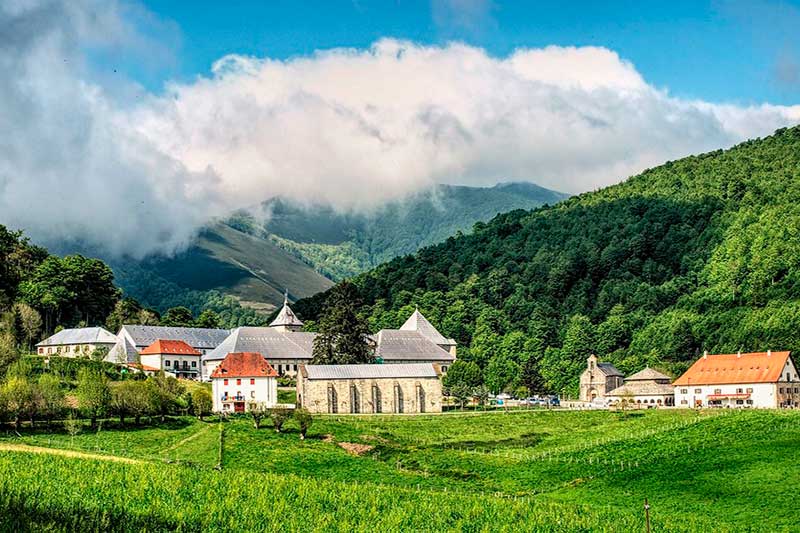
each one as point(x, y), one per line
point(701, 253)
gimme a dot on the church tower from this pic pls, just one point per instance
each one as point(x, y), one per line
point(286, 319)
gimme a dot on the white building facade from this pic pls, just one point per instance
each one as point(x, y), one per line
point(242, 381)
point(757, 380)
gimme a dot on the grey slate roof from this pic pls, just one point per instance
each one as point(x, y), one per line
point(195, 337)
point(648, 374)
point(415, 370)
point(286, 317)
point(403, 345)
point(267, 341)
point(122, 352)
point(608, 369)
point(80, 336)
point(417, 322)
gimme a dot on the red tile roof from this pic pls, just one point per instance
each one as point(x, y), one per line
point(143, 367)
point(169, 347)
point(244, 365)
point(759, 367)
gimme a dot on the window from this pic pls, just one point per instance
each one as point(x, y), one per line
point(739, 391)
point(788, 377)
point(66, 349)
point(225, 382)
point(749, 402)
point(166, 363)
point(739, 402)
point(684, 391)
point(398, 398)
point(717, 391)
point(194, 364)
point(781, 390)
point(332, 400)
point(376, 399)
point(749, 390)
point(252, 394)
point(421, 398)
point(252, 381)
point(49, 350)
point(684, 402)
point(698, 391)
point(355, 400)
point(238, 381)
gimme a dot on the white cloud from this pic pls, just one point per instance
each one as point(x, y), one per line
point(351, 127)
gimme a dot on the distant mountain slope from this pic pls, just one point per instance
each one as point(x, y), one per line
point(341, 245)
point(697, 254)
point(300, 248)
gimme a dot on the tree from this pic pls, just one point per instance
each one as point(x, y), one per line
point(99, 353)
point(164, 394)
point(202, 403)
point(30, 322)
point(304, 420)
point(461, 392)
point(207, 319)
point(8, 352)
point(178, 317)
point(123, 398)
point(126, 311)
point(501, 374)
point(465, 373)
point(482, 394)
point(258, 411)
point(19, 398)
point(93, 393)
point(343, 335)
point(73, 425)
point(279, 416)
point(50, 397)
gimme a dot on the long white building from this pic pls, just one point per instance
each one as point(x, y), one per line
point(762, 379)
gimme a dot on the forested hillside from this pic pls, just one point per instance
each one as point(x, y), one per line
point(697, 254)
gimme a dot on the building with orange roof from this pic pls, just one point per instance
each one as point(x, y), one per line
point(174, 357)
point(760, 379)
point(242, 381)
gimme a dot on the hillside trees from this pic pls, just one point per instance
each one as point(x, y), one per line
point(342, 334)
point(93, 393)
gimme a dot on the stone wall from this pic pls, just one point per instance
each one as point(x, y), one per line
point(314, 395)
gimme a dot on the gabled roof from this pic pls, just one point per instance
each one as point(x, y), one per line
point(267, 341)
point(286, 317)
point(80, 336)
point(416, 370)
point(169, 347)
point(648, 374)
point(244, 365)
point(200, 338)
point(643, 388)
point(404, 345)
point(122, 352)
point(417, 322)
point(734, 368)
point(608, 369)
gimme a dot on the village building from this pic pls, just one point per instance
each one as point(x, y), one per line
point(175, 357)
point(646, 388)
point(761, 380)
point(242, 381)
point(286, 347)
point(376, 388)
point(80, 342)
point(132, 339)
point(598, 380)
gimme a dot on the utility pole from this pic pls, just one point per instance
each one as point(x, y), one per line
point(647, 514)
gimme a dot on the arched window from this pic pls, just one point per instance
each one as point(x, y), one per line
point(355, 400)
point(332, 400)
point(398, 398)
point(420, 398)
point(376, 399)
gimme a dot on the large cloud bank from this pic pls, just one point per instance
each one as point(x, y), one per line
point(355, 128)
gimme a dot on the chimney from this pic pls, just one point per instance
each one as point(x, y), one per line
point(739, 354)
point(769, 353)
point(705, 354)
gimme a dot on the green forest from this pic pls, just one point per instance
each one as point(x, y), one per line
point(697, 254)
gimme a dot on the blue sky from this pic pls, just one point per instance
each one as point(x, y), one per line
point(718, 51)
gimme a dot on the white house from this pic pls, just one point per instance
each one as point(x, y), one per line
point(242, 380)
point(79, 342)
point(132, 339)
point(175, 357)
point(762, 379)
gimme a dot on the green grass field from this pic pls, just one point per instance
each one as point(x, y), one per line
point(515, 471)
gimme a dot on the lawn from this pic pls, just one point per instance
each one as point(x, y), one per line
point(709, 470)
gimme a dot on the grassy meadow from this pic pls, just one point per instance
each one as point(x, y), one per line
point(514, 471)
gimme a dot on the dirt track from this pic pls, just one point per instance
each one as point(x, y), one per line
point(6, 447)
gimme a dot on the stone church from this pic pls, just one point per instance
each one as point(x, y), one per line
point(599, 379)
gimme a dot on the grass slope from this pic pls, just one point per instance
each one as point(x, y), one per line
point(533, 471)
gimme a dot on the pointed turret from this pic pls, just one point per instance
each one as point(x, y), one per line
point(418, 322)
point(286, 319)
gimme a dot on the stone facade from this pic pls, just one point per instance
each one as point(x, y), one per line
point(599, 379)
point(370, 395)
